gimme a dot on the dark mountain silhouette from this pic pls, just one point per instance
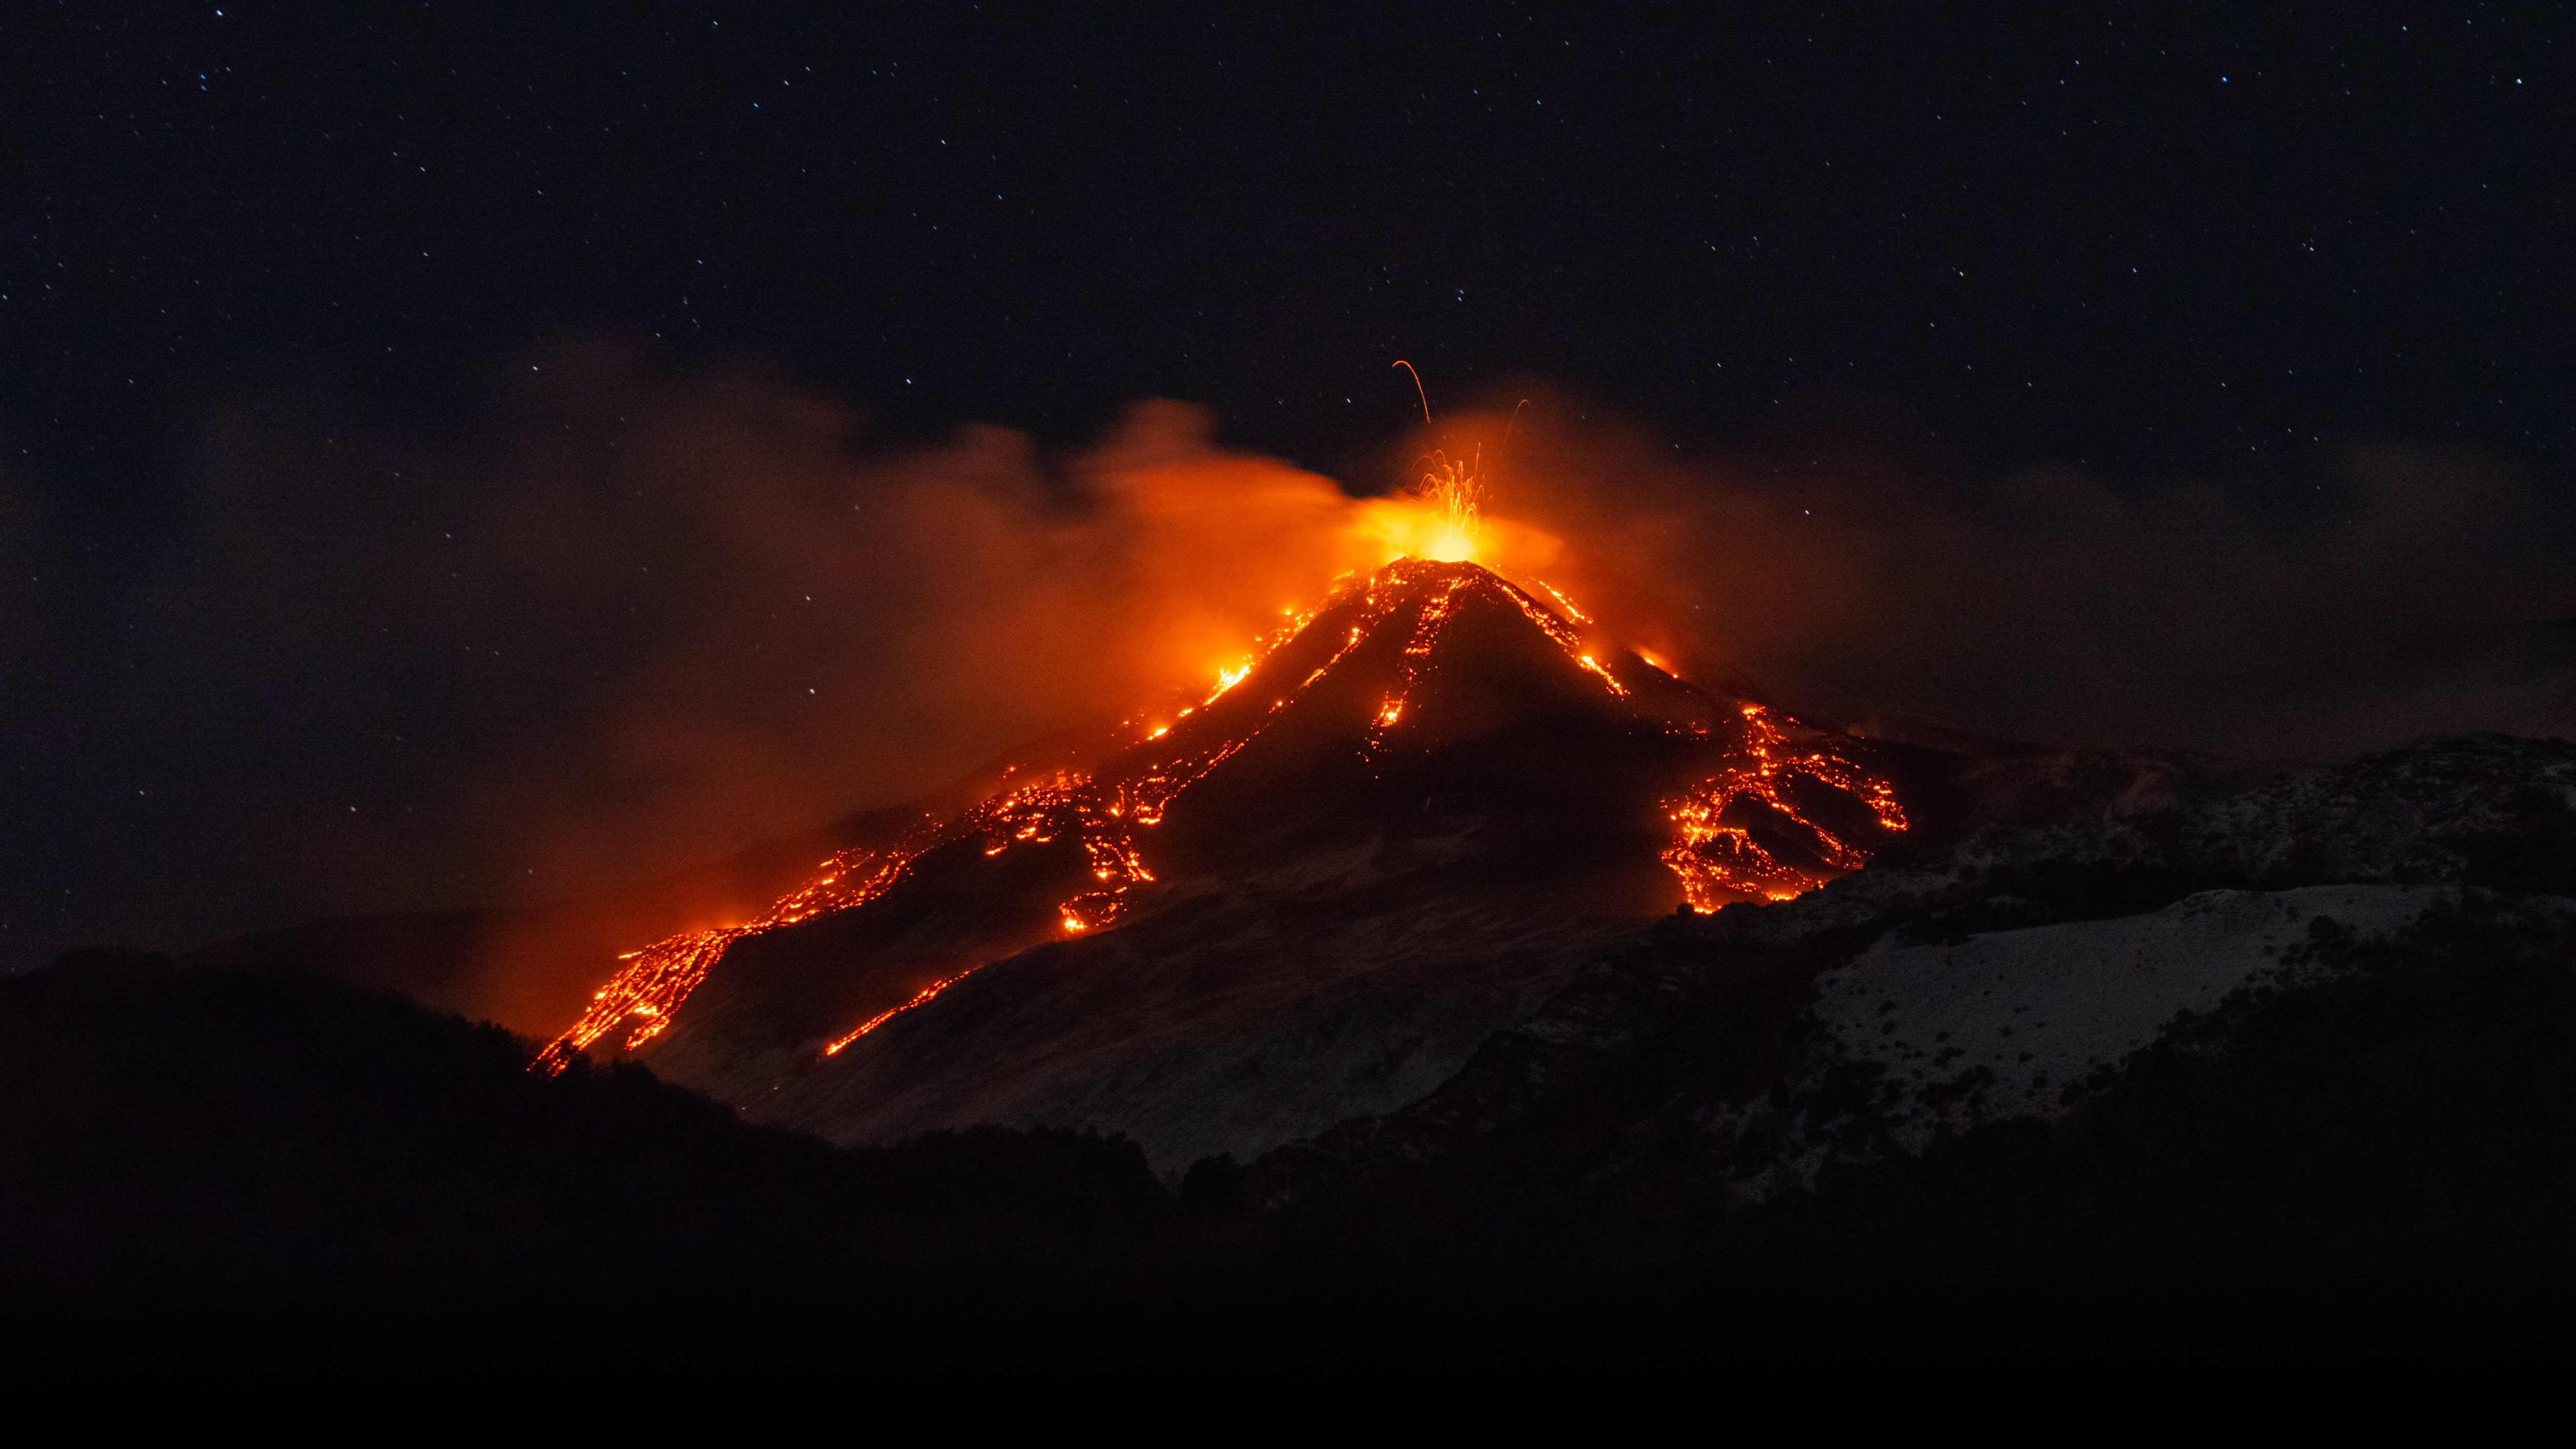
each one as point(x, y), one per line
point(191, 1154)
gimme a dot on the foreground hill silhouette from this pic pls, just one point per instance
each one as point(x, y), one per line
point(246, 1152)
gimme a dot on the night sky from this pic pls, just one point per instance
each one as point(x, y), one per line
point(318, 339)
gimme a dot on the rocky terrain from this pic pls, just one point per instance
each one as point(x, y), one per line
point(2017, 974)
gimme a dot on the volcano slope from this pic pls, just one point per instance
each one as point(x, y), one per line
point(1307, 898)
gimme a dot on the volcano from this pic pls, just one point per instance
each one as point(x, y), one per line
point(1410, 920)
point(1230, 925)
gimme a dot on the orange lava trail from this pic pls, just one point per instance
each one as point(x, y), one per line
point(657, 979)
point(1562, 602)
point(891, 1012)
point(1426, 634)
point(1565, 634)
point(1720, 861)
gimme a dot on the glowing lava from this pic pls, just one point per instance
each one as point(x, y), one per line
point(1450, 488)
point(1720, 859)
point(1103, 814)
point(1438, 519)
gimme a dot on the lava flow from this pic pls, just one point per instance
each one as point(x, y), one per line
point(1720, 859)
point(1743, 832)
point(1103, 815)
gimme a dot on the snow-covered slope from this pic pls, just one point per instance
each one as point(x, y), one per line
point(1915, 1042)
point(1231, 1023)
point(2011, 1023)
point(2017, 972)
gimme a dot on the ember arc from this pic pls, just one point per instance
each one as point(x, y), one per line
point(1387, 837)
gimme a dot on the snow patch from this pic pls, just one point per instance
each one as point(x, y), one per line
point(2002, 1025)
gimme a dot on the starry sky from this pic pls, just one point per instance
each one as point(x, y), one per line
point(279, 293)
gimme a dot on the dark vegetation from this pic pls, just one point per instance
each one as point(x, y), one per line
point(260, 1163)
point(249, 1165)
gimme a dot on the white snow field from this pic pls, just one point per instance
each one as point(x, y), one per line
point(2000, 1025)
